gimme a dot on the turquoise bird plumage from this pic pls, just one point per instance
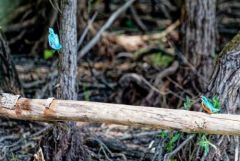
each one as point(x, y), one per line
point(208, 105)
point(53, 40)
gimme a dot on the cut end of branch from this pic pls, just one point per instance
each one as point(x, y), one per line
point(8, 100)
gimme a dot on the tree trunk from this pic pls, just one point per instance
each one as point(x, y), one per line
point(199, 36)
point(225, 83)
point(198, 33)
point(68, 54)
point(9, 81)
point(65, 137)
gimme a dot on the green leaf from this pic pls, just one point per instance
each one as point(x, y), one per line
point(216, 102)
point(163, 134)
point(130, 24)
point(86, 93)
point(48, 54)
point(159, 59)
point(187, 103)
point(204, 144)
point(175, 137)
point(173, 159)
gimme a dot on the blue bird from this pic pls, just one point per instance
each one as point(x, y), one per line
point(54, 40)
point(208, 105)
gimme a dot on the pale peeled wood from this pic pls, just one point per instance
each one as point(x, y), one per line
point(187, 121)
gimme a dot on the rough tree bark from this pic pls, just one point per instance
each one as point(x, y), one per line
point(199, 44)
point(65, 137)
point(198, 33)
point(68, 54)
point(225, 83)
point(199, 36)
point(9, 81)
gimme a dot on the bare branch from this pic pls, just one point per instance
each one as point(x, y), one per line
point(109, 22)
point(66, 110)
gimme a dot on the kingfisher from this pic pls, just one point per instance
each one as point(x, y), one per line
point(209, 106)
point(53, 40)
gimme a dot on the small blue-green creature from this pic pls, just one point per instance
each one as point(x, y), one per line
point(210, 106)
point(54, 40)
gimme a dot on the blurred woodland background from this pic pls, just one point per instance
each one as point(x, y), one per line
point(158, 53)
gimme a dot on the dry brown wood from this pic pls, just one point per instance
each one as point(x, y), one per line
point(66, 110)
point(131, 43)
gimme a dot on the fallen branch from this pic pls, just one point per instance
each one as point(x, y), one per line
point(66, 110)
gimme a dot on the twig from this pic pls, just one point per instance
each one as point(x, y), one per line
point(33, 84)
point(109, 22)
point(226, 157)
point(185, 61)
point(142, 134)
point(236, 140)
point(8, 137)
point(137, 19)
point(169, 155)
point(179, 86)
point(146, 150)
point(166, 72)
point(203, 158)
point(139, 80)
point(41, 131)
point(55, 6)
point(19, 26)
point(86, 30)
point(159, 151)
point(163, 34)
point(18, 37)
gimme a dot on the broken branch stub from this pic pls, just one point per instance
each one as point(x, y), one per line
point(8, 100)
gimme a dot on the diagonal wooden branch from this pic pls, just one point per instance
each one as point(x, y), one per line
point(109, 22)
point(66, 110)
